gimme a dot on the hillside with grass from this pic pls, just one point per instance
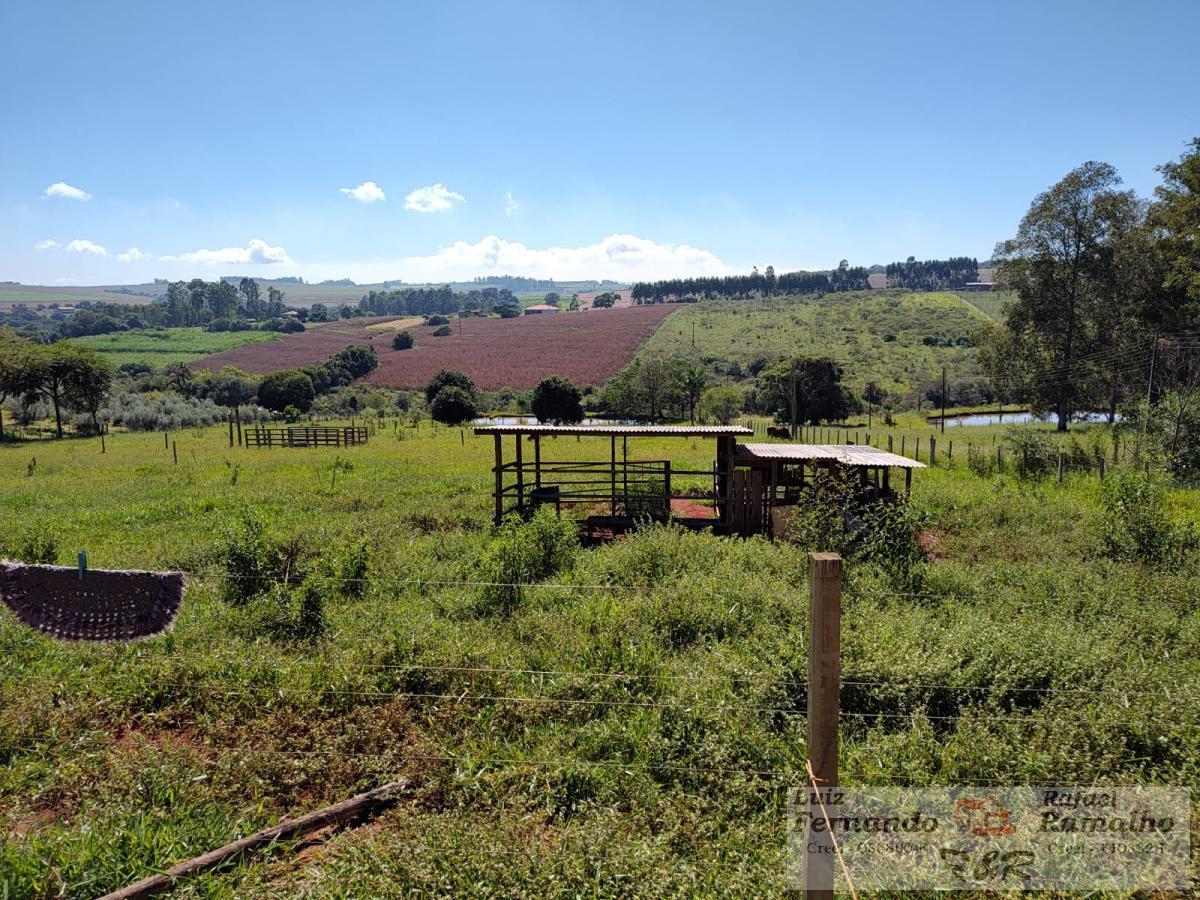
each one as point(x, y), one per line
point(894, 338)
point(614, 721)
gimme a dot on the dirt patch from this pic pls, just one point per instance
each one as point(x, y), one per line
point(930, 543)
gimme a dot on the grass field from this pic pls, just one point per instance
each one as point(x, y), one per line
point(876, 336)
point(161, 347)
point(11, 295)
point(990, 303)
point(628, 724)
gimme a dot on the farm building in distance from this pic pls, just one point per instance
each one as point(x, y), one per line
point(540, 309)
point(752, 485)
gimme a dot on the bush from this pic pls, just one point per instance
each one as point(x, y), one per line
point(523, 553)
point(1034, 452)
point(402, 340)
point(291, 326)
point(218, 325)
point(437, 320)
point(557, 400)
point(721, 404)
point(448, 378)
point(453, 406)
point(1135, 525)
point(279, 390)
point(253, 559)
point(37, 546)
point(444, 331)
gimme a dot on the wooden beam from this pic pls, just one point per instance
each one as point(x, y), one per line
point(824, 683)
point(339, 814)
point(537, 460)
point(499, 479)
point(520, 478)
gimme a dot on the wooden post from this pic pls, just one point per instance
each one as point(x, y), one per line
point(175, 452)
point(102, 449)
point(520, 477)
point(889, 443)
point(613, 471)
point(537, 460)
point(667, 485)
point(499, 470)
point(1060, 466)
point(231, 432)
point(932, 450)
point(917, 450)
point(166, 443)
point(999, 458)
point(824, 684)
point(950, 454)
point(237, 420)
point(625, 469)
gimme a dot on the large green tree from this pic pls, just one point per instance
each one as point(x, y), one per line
point(557, 400)
point(806, 390)
point(290, 387)
point(1061, 265)
point(1175, 218)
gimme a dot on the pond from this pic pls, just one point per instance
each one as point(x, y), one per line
point(1017, 418)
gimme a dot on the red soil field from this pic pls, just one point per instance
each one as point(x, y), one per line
point(587, 347)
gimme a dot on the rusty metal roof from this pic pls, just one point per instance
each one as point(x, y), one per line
point(620, 430)
point(854, 455)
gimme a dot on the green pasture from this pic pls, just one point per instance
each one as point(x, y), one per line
point(161, 347)
point(628, 722)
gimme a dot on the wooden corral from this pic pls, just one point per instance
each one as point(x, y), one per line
point(306, 436)
point(615, 493)
point(748, 480)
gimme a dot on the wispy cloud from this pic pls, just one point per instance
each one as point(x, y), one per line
point(66, 191)
point(133, 254)
point(510, 204)
point(623, 257)
point(45, 245)
point(367, 192)
point(83, 246)
point(255, 253)
point(433, 198)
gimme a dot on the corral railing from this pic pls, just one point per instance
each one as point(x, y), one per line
point(306, 436)
point(631, 488)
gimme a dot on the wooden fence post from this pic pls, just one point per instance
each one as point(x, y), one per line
point(889, 443)
point(166, 446)
point(1060, 466)
point(932, 450)
point(950, 455)
point(175, 452)
point(824, 683)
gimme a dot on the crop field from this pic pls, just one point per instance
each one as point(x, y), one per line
point(876, 336)
point(165, 346)
point(585, 347)
point(627, 722)
point(990, 303)
point(31, 295)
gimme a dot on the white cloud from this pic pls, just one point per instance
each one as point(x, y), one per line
point(69, 192)
point(622, 257)
point(133, 254)
point(367, 192)
point(434, 198)
point(45, 245)
point(257, 252)
point(510, 205)
point(82, 246)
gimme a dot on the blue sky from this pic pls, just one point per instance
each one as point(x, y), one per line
point(556, 139)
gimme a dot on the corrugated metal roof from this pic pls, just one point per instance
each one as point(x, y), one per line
point(857, 455)
point(619, 430)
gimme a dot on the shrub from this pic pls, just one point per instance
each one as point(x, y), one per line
point(453, 406)
point(1135, 525)
point(448, 378)
point(437, 320)
point(522, 553)
point(351, 569)
point(1034, 452)
point(253, 559)
point(444, 331)
point(721, 404)
point(290, 387)
point(557, 400)
point(36, 546)
point(402, 340)
point(310, 613)
point(290, 326)
point(218, 325)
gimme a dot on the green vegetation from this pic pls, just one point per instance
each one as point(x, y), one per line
point(899, 340)
point(165, 346)
point(1031, 649)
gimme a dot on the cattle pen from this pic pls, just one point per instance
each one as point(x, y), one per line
point(744, 486)
point(307, 436)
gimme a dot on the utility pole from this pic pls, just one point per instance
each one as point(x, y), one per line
point(943, 399)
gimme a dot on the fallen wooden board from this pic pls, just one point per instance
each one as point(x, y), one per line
point(338, 814)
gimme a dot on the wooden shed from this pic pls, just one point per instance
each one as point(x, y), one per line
point(767, 477)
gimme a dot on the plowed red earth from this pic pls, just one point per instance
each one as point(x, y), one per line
point(587, 347)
